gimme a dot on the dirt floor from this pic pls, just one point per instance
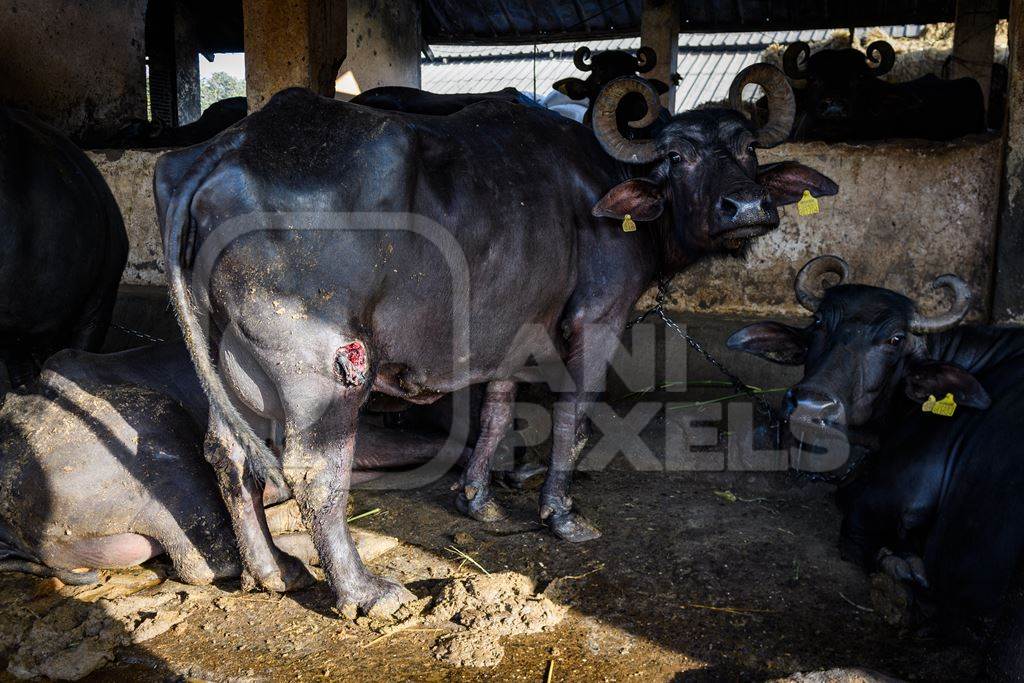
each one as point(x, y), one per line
point(699, 576)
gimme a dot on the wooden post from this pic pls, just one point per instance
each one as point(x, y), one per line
point(974, 38)
point(292, 43)
point(1008, 290)
point(659, 29)
point(186, 66)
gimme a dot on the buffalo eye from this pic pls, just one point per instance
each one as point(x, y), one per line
point(817, 322)
point(674, 157)
point(896, 339)
point(750, 150)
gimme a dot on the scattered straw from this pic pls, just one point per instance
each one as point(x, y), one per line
point(364, 515)
point(728, 610)
point(398, 630)
point(466, 557)
point(576, 577)
point(862, 608)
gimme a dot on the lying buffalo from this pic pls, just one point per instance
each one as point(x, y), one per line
point(603, 68)
point(399, 98)
point(101, 467)
point(846, 99)
point(155, 135)
point(937, 503)
point(63, 246)
point(323, 285)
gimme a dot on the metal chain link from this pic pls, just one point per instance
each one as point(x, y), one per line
point(774, 423)
point(135, 333)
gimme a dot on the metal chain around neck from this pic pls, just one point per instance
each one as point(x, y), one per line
point(774, 423)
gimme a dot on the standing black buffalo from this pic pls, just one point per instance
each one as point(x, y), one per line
point(62, 246)
point(414, 255)
point(846, 99)
point(937, 504)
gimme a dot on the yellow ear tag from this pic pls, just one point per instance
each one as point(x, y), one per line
point(946, 407)
point(807, 205)
point(628, 225)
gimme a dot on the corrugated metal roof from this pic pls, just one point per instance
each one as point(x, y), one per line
point(528, 21)
point(706, 65)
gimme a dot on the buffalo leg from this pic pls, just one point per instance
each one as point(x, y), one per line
point(590, 348)
point(474, 497)
point(265, 565)
point(322, 415)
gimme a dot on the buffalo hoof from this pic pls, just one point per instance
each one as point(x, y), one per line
point(892, 600)
point(909, 568)
point(384, 597)
point(479, 503)
point(517, 479)
point(573, 527)
point(289, 575)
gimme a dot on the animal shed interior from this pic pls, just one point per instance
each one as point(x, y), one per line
point(699, 575)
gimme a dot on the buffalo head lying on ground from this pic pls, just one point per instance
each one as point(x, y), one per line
point(344, 249)
point(936, 506)
point(844, 98)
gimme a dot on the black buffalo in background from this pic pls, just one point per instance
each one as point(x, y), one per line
point(62, 246)
point(845, 98)
point(143, 134)
point(603, 68)
point(936, 505)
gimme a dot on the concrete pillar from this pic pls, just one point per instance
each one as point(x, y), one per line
point(186, 63)
point(974, 41)
point(1008, 300)
point(659, 29)
point(384, 43)
point(79, 65)
point(292, 43)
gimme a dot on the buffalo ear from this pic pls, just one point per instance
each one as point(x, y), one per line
point(772, 341)
point(935, 378)
point(573, 88)
point(787, 180)
point(639, 198)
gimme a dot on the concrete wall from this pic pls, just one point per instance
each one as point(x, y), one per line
point(906, 212)
point(74, 62)
point(383, 45)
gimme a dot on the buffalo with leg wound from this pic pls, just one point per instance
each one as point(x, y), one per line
point(936, 504)
point(532, 202)
point(101, 468)
point(63, 244)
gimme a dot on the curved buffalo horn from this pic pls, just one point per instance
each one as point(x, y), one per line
point(881, 53)
point(581, 58)
point(921, 324)
point(606, 129)
point(791, 59)
point(781, 102)
point(646, 59)
point(812, 276)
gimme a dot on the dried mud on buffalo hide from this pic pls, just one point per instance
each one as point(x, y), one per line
point(486, 608)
